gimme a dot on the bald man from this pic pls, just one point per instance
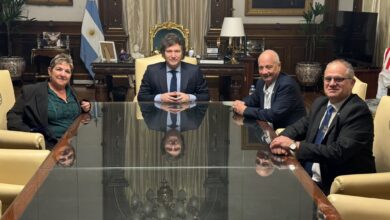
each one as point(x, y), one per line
point(277, 98)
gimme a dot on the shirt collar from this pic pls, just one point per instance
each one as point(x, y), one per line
point(270, 88)
point(337, 105)
point(177, 69)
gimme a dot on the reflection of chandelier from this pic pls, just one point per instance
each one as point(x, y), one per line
point(164, 205)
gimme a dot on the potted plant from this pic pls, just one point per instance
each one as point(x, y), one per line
point(11, 11)
point(308, 72)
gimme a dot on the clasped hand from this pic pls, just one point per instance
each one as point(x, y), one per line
point(174, 108)
point(175, 97)
point(281, 145)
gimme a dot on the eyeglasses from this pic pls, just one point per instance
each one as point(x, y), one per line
point(336, 79)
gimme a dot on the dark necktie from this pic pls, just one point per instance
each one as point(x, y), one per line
point(320, 135)
point(173, 87)
point(174, 120)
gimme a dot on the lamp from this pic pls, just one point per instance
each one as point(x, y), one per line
point(232, 27)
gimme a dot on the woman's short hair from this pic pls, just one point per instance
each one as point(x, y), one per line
point(61, 58)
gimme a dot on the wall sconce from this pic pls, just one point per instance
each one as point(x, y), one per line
point(233, 27)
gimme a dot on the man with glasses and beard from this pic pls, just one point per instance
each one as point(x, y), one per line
point(336, 137)
point(277, 98)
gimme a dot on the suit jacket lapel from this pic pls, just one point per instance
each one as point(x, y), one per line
point(184, 78)
point(262, 94)
point(163, 78)
point(316, 123)
point(336, 117)
point(42, 105)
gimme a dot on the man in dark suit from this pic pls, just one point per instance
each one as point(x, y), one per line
point(336, 137)
point(173, 119)
point(277, 98)
point(173, 81)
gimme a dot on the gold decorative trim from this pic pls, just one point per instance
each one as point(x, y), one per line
point(168, 26)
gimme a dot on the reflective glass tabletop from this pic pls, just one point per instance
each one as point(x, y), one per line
point(150, 161)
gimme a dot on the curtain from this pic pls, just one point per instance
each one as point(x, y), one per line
point(143, 14)
point(382, 7)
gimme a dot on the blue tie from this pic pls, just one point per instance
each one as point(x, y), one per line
point(173, 87)
point(320, 136)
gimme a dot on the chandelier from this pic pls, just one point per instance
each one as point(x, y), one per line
point(163, 204)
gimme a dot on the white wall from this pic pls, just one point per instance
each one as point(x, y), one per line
point(57, 13)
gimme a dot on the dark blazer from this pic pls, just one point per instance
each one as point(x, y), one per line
point(154, 82)
point(347, 146)
point(156, 119)
point(287, 104)
point(30, 112)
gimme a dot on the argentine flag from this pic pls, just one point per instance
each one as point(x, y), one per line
point(91, 34)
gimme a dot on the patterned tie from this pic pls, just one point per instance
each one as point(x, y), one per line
point(173, 87)
point(320, 136)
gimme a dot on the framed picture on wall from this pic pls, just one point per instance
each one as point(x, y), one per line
point(276, 8)
point(49, 2)
point(107, 51)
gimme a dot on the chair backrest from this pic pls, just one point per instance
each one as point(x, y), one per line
point(7, 97)
point(142, 63)
point(158, 32)
point(381, 135)
point(360, 88)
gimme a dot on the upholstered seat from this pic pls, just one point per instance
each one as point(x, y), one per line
point(17, 166)
point(158, 32)
point(360, 88)
point(14, 139)
point(374, 186)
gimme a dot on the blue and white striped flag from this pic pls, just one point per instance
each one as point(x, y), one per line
point(91, 34)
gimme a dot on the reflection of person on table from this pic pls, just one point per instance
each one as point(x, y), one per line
point(173, 119)
point(48, 107)
point(266, 162)
point(262, 130)
point(173, 81)
point(336, 138)
point(277, 98)
point(65, 155)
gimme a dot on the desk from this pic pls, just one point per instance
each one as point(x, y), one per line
point(45, 53)
point(241, 77)
point(121, 171)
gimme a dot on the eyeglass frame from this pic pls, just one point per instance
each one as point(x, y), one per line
point(336, 79)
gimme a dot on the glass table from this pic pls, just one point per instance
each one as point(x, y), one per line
point(129, 161)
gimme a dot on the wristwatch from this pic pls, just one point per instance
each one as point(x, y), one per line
point(293, 146)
